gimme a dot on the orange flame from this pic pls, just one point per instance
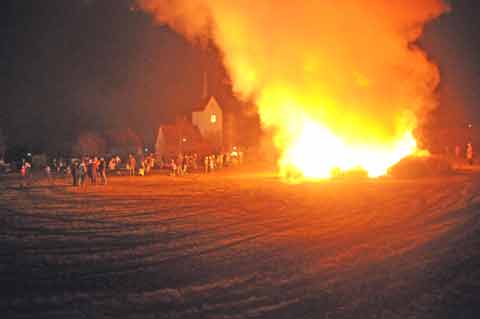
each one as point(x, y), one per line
point(318, 150)
point(342, 83)
point(318, 153)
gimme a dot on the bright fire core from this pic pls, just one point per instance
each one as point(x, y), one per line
point(318, 139)
point(318, 153)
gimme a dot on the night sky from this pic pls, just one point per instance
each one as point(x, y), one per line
point(453, 43)
point(98, 65)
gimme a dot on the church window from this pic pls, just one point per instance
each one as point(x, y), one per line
point(213, 118)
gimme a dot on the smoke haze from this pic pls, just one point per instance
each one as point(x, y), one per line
point(351, 65)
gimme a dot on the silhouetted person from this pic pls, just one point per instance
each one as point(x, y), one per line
point(95, 164)
point(74, 171)
point(48, 174)
point(470, 153)
point(102, 170)
point(132, 163)
point(83, 169)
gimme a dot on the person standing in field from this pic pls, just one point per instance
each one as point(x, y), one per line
point(83, 172)
point(470, 154)
point(173, 167)
point(112, 164)
point(74, 172)
point(194, 161)
point(95, 164)
point(211, 163)
point(67, 172)
point(146, 164)
point(132, 163)
point(184, 165)
point(102, 170)
point(89, 165)
point(150, 163)
point(205, 163)
point(28, 172)
point(23, 173)
point(178, 165)
point(48, 174)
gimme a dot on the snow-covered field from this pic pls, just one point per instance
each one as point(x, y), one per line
point(236, 245)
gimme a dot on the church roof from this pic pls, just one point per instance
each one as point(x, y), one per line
point(175, 132)
point(203, 104)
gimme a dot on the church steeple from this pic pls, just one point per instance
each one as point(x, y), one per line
point(205, 86)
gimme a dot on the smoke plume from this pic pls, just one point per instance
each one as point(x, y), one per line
point(352, 65)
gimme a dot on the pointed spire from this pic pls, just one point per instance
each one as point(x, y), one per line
point(205, 86)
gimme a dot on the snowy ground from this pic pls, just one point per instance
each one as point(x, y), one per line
point(235, 245)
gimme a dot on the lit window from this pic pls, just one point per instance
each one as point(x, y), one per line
point(213, 118)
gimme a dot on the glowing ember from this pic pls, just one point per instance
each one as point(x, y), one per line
point(342, 83)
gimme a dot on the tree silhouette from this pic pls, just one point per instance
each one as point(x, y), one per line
point(89, 143)
point(3, 144)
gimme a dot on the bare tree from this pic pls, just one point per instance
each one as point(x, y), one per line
point(125, 139)
point(89, 143)
point(3, 144)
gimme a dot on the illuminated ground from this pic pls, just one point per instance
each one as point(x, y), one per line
point(236, 245)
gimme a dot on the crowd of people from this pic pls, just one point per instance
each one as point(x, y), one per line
point(460, 154)
point(94, 170)
point(182, 164)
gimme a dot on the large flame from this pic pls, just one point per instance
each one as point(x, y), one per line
point(317, 152)
point(342, 83)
